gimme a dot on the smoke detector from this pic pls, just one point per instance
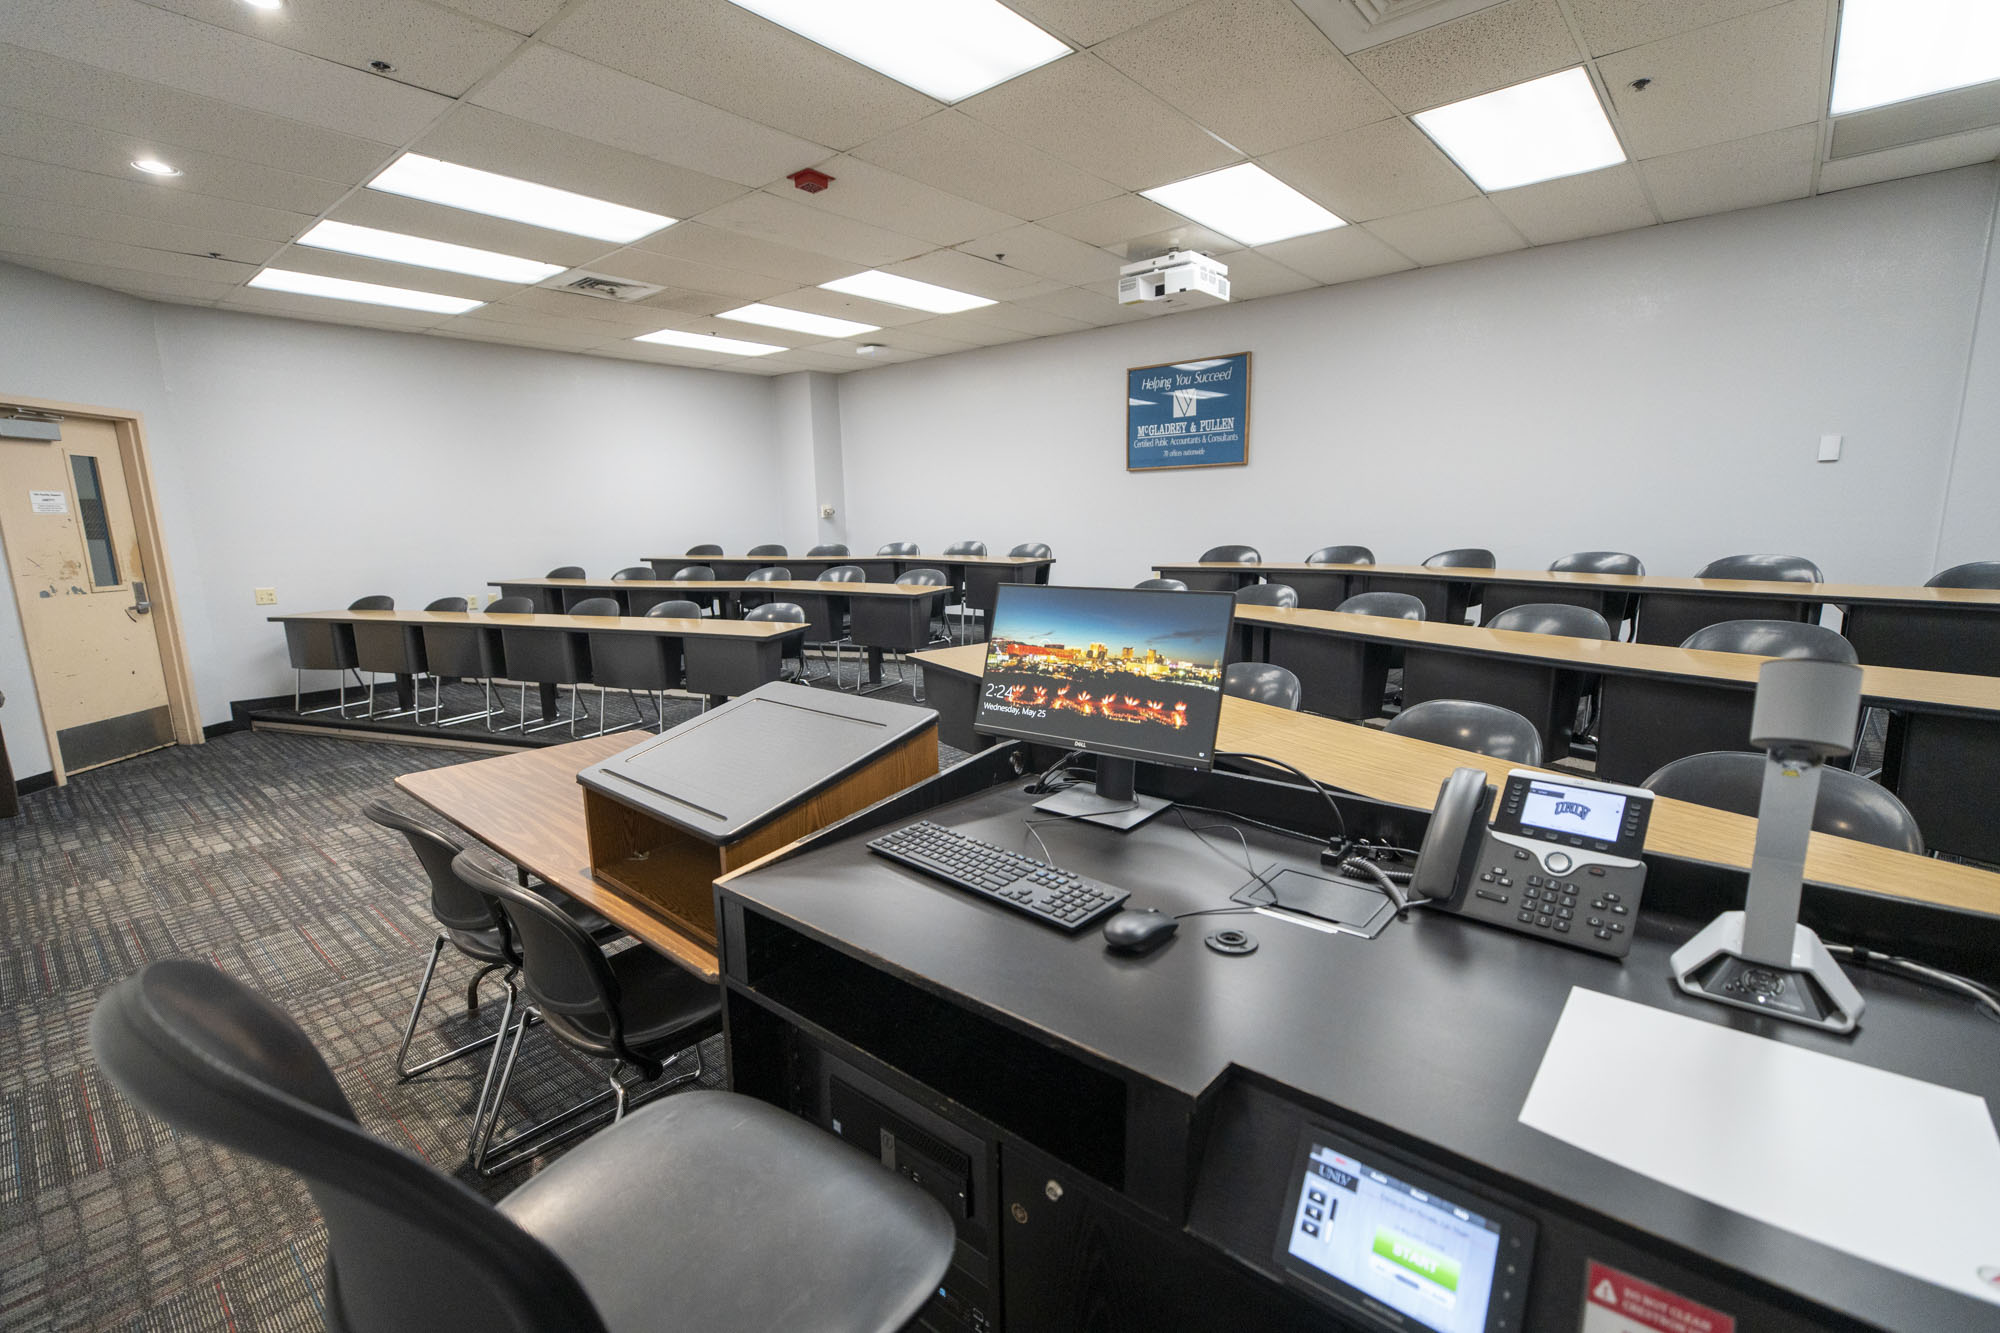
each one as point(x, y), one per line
point(602, 286)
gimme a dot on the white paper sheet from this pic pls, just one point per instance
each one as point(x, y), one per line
point(1898, 1171)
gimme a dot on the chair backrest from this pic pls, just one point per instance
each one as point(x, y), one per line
point(595, 606)
point(630, 572)
point(966, 548)
point(767, 550)
point(769, 574)
point(566, 572)
point(1488, 729)
point(1163, 585)
point(1262, 683)
point(1394, 605)
point(706, 548)
point(898, 548)
point(829, 548)
point(676, 610)
point(1597, 562)
point(844, 574)
point(1778, 568)
point(564, 968)
point(1462, 557)
point(376, 602)
point(448, 604)
point(1974, 574)
point(511, 606)
point(923, 578)
point(1234, 555)
point(694, 574)
point(1772, 638)
point(1578, 622)
point(455, 906)
point(407, 1247)
point(787, 613)
point(1341, 555)
point(1848, 807)
point(1032, 551)
point(1268, 594)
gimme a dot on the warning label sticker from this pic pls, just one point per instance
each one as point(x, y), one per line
point(1616, 1302)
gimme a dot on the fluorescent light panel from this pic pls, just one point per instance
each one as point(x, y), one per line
point(476, 191)
point(1245, 203)
point(889, 289)
point(1535, 131)
point(703, 342)
point(368, 293)
point(1894, 50)
point(778, 317)
point(152, 166)
point(401, 249)
point(949, 49)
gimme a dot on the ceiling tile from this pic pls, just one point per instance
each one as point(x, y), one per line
point(1088, 114)
point(1380, 169)
point(358, 268)
point(1255, 72)
point(1111, 221)
point(1024, 319)
point(145, 199)
point(975, 161)
point(67, 90)
point(250, 300)
point(429, 47)
point(658, 355)
point(728, 57)
point(770, 218)
point(915, 340)
point(1253, 275)
point(113, 254)
point(977, 333)
point(419, 217)
point(1047, 253)
point(1493, 48)
point(686, 275)
point(1591, 204)
point(970, 273)
point(818, 301)
point(572, 308)
point(702, 244)
point(523, 16)
point(834, 359)
point(593, 102)
point(1446, 234)
point(1958, 150)
point(477, 137)
point(1347, 254)
point(149, 43)
point(149, 233)
point(870, 193)
point(1088, 22)
point(1183, 235)
point(1093, 305)
point(160, 286)
point(1613, 25)
point(545, 334)
point(1727, 81)
point(1759, 170)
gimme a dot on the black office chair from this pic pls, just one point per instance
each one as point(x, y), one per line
point(898, 548)
point(579, 1249)
point(676, 610)
point(829, 548)
point(1268, 594)
point(544, 655)
point(511, 606)
point(1769, 568)
point(629, 662)
point(1577, 622)
point(460, 652)
point(1232, 555)
point(374, 602)
point(1974, 574)
point(458, 604)
point(966, 548)
point(1260, 682)
point(843, 574)
point(596, 606)
point(1848, 807)
point(1462, 557)
point(1392, 605)
point(787, 613)
point(1488, 729)
point(1341, 555)
point(1772, 638)
point(927, 577)
point(1162, 585)
point(769, 574)
point(1032, 551)
point(694, 574)
point(768, 551)
point(631, 572)
point(395, 650)
point(1597, 562)
point(706, 548)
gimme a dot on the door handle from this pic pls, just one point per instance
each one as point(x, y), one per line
point(140, 604)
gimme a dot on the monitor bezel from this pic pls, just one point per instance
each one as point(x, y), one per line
point(1133, 753)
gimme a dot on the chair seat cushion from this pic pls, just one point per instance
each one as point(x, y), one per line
point(714, 1210)
point(666, 1008)
point(592, 923)
point(480, 945)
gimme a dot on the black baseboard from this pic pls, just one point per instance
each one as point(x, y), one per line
point(36, 782)
point(244, 711)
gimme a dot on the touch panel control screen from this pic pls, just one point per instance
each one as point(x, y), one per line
point(1584, 811)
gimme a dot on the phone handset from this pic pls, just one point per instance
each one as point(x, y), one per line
point(1449, 858)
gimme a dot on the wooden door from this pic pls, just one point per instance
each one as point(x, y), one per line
point(80, 586)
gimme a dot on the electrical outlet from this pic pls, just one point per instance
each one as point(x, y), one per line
point(826, 511)
point(267, 596)
point(472, 602)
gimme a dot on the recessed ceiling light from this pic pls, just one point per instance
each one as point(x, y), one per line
point(476, 191)
point(704, 342)
point(1245, 203)
point(949, 49)
point(780, 318)
point(1534, 131)
point(395, 246)
point(368, 293)
point(1891, 52)
point(152, 166)
point(889, 289)
point(265, 4)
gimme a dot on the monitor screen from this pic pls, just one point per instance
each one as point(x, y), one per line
point(1560, 808)
point(1131, 673)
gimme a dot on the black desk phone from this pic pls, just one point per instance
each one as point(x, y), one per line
point(1560, 861)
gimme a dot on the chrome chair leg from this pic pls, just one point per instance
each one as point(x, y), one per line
point(405, 1072)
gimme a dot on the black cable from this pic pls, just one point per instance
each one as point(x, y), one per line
point(1983, 996)
point(1339, 820)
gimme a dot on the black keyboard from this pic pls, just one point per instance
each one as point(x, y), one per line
point(1050, 894)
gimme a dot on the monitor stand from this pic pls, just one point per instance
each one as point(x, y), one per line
point(1110, 801)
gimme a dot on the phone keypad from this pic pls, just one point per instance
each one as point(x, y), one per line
point(1586, 906)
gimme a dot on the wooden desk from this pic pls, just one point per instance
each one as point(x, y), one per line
point(529, 808)
point(977, 576)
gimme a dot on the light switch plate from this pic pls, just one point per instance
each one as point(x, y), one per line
point(267, 596)
point(1829, 448)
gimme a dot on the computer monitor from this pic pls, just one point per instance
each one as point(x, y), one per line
point(1126, 674)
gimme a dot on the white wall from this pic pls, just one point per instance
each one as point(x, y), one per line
point(807, 406)
point(1971, 524)
point(1660, 392)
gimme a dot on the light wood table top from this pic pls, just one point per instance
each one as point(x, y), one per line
point(708, 627)
point(732, 585)
point(1884, 685)
point(1012, 561)
point(529, 808)
point(1408, 772)
point(1641, 583)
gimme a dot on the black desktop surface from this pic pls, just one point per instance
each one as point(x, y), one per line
point(1431, 1033)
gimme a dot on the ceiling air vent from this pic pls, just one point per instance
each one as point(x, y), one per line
point(602, 286)
point(1356, 25)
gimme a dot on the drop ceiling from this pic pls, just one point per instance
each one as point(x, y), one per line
point(1027, 194)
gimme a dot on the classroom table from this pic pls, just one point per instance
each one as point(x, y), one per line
point(977, 576)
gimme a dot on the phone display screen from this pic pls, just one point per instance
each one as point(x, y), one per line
point(1561, 808)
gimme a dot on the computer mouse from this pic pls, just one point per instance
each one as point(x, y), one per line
point(1138, 930)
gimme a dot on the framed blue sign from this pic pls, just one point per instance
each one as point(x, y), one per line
point(1188, 414)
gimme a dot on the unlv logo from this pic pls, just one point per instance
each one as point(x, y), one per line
point(1577, 808)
